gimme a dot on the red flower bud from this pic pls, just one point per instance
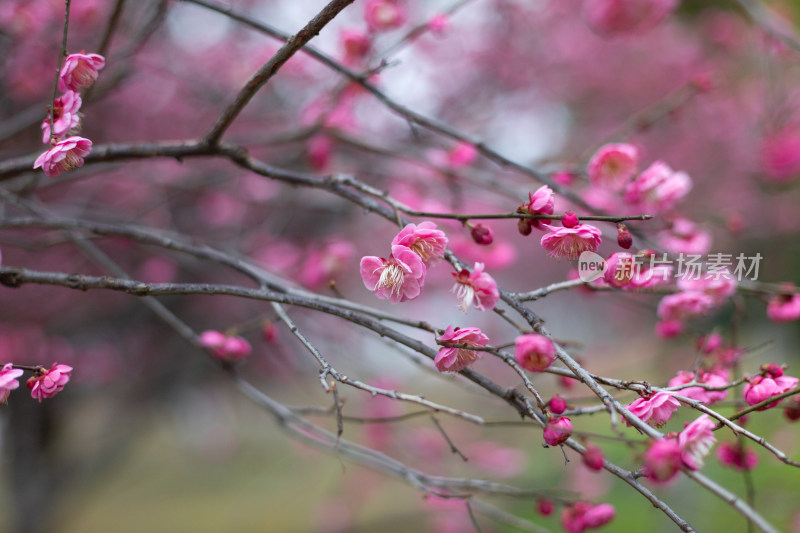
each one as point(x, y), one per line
point(557, 405)
point(524, 226)
point(482, 235)
point(624, 237)
point(569, 219)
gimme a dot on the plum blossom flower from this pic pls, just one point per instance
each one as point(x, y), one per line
point(570, 243)
point(613, 17)
point(476, 286)
point(762, 387)
point(50, 382)
point(64, 156)
point(715, 378)
point(228, 348)
point(541, 202)
point(658, 188)
point(65, 116)
point(737, 456)
point(356, 46)
point(439, 24)
point(780, 155)
point(423, 239)
point(655, 409)
point(613, 165)
point(593, 458)
point(718, 285)
point(696, 441)
point(685, 237)
point(462, 155)
point(662, 460)
point(534, 352)
point(383, 15)
point(396, 279)
point(8, 381)
point(682, 305)
point(580, 516)
point(80, 71)
point(557, 430)
point(784, 308)
point(452, 359)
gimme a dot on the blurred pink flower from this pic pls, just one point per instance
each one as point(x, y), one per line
point(383, 15)
point(356, 46)
point(570, 243)
point(8, 381)
point(715, 378)
point(682, 305)
point(761, 388)
point(620, 269)
point(696, 441)
point(225, 347)
point(498, 460)
point(718, 285)
point(580, 516)
point(685, 237)
point(80, 71)
point(557, 430)
point(784, 308)
point(482, 235)
point(423, 239)
point(462, 155)
point(613, 166)
point(655, 409)
point(667, 329)
point(658, 188)
point(534, 352)
point(397, 279)
point(780, 155)
point(610, 17)
point(662, 460)
point(64, 156)
point(593, 458)
point(50, 383)
point(325, 262)
point(541, 202)
point(476, 286)
point(736, 456)
point(439, 24)
point(65, 116)
point(451, 359)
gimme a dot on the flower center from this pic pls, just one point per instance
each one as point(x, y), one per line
point(392, 278)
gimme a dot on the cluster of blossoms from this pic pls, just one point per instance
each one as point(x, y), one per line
point(45, 383)
point(78, 72)
point(581, 516)
point(665, 457)
point(228, 348)
point(402, 276)
point(771, 382)
point(697, 297)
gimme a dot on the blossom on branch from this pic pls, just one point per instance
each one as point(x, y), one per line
point(228, 348)
point(655, 409)
point(570, 243)
point(658, 188)
point(80, 71)
point(534, 352)
point(452, 359)
point(557, 430)
point(49, 382)
point(65, 116)
point(613, 166)
point(423, 239)
point(8, 380)
point(396, 279)
point(696, 441)
point(64, 156)
point(580, 516)
point(476, 286)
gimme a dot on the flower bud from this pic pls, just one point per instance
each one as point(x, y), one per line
point(557, 405)
point(569, 219)
point(624, 237)
point(557, 431)
point(524, 226)
point(544, 507)
point(482, 235)
point(593, 458)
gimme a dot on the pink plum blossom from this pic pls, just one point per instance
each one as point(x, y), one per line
point(718, 285)
point(80, 71)
point(656, 410)
point(534, 352)
point(613, 165)
point(423, 239)
point(356, 45)
point(784, 308)
point(716, 378)
point(65, 116)
point(383, 15)
point(685, 237)
point(541, 202)
point(658, 188)
point(612, 17)
point(8, 381)
point(462, 155)
point(396, 279)
point(50, 382)
point(667, 329)
point(682, 305)
point(570, 243)
point(452, 359)
point(439, 24)
point(580, 516)
point(498, 460)
point(228, 348)
point(557, 405)
point(663, 460)
point(593, 458)
point(696, 441)
point(780, 155)
point(557, 430)
point(737, 456)
point(620, 269)
point(66, 155)
point(476, 286)
point(325, 262)
point(761, 388)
